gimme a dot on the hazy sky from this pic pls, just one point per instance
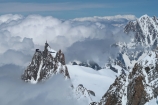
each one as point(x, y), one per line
point(65, 9)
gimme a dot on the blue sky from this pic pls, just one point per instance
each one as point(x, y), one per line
point(84, 8)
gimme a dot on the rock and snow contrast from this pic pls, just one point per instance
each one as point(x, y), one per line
point(44, 64)
point(86, 85)
point(130, 78)
point(146, 30)
point(139, 85)
point(96, 81)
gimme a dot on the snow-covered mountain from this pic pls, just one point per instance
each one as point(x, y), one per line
point(139, 86)
point(145, 32)
point(136, 88)
point(96, 81)
point(85, 81)
point(129, 79)
point(44, 64)
point(145, 29)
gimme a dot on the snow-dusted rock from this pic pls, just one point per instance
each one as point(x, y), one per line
point(44, 64)
point(145, 29)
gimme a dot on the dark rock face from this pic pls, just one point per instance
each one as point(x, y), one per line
point(60, 57)
point(136, 88)
point(113, 69)
point(136, 93)
point(114, 94)
point(44, 64)
point(90, 64)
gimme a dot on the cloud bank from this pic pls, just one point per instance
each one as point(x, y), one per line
point(97, 18)
point(88, 38)
point(80, 39)
point(54, 91)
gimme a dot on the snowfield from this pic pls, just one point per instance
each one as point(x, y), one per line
point(97, 81)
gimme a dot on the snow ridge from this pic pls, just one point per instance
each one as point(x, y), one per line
point(145, 29)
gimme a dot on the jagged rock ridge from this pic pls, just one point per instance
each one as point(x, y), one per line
point(44, 64)
point(139, 86)
point(136, 88)
point(114, 94)
point(81, 92)
point(145, 32)
point(145, 29)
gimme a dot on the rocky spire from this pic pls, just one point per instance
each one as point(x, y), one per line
point(44, 64)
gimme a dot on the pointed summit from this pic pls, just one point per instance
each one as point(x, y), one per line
point(45, 52)
point(44, 64)
point(145, 30)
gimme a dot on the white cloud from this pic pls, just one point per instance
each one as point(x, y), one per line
point(9, 17)
point(97, 18)
point(15, 57)
point(81, 40)
point(54, 30)
point(14, 91)
point(21, 33)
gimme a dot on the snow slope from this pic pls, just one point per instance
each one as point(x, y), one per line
point(97, 81)
point(55, 91)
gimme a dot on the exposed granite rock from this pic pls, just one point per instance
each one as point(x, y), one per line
point(90, 64)
point(145, 29)
point(136, 88)
point(44, 64)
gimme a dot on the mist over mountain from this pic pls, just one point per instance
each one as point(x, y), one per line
point(85, 61)
point(24, 34)
point(136, 87)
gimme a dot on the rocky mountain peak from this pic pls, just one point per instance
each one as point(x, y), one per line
point(145, 29)
point(44, 64)
point(138, 87)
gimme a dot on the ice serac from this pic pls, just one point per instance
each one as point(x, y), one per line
point(145, 29)
point(44, 64)
point(136, 88)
